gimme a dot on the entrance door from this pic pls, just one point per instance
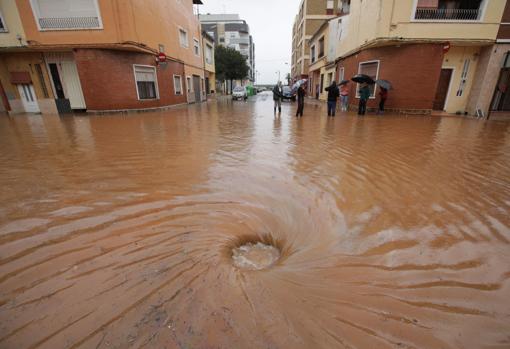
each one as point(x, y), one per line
point(28, 98)
point(73, 86)
point(442, 89)
point(501, 98)
point(207, 88)
point(196, 87)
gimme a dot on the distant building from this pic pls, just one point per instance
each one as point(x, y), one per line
point(209, 66)
point(311, 16)
point(231, 31)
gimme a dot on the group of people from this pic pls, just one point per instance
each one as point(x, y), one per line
point(334, 92)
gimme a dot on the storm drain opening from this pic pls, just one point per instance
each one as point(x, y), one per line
point(251, 254)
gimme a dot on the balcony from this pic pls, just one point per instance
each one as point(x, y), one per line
point(455, 14)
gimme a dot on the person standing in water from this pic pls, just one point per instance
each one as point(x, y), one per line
point(333, 94)
point(277, 96)
point(364, 94)
point(383, 95)
point(300, 100)
point(344, 96)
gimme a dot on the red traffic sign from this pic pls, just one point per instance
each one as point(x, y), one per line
point(161, 57)
point(446, 47)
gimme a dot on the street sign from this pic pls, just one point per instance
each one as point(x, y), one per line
point(446, 47)
point(161, 57)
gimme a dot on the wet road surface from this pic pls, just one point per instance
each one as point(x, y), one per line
point(118, 231)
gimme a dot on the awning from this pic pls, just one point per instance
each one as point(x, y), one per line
point(20, 77)
point(197, 2)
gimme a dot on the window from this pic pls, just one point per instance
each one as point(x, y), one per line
point(312, 53)
point(66, 14)
point(196, 47)
point(222, 39)
point(330, 78)
point(183, 38)
point(189, 87)
point(330, 4)
point(344, 6)
point(450, 10)
point(371, 69)
point(341, 74)
point(146, 82)
point(3, 26)
point(208, 54)
point(321, 47)
point(177, 84)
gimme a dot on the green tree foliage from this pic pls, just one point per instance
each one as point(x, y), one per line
point(230, 64)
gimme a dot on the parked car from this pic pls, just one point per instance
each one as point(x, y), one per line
point(287, 93)
point(239, 92)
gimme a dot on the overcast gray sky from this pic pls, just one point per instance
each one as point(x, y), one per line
point(270, 24)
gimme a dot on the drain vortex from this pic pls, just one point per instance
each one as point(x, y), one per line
point(255, 256)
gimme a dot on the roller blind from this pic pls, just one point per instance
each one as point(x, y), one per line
point(145, 74)
point(65, 8)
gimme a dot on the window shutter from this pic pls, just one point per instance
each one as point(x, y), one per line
point(144, 74)
point(369, 69)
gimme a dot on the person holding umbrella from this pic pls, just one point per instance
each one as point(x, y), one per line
point(364, 95)
point(384, 85)
point(344, 95)
point(277, 97)
point(364, 92)
point(333, 94)
point(300, 99)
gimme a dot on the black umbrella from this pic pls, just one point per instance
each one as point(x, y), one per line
point(362, 78)
point(343, 82)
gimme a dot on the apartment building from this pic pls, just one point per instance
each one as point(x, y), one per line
point(99, 55)
point(322, 67)
point(231, 31)
point(437, 53)
point(311, 16)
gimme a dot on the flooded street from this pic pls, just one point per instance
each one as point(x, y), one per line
point(379, 232)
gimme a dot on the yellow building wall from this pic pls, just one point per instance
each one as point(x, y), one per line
point(26, 62)
point(12, 20)
point(370, 20)
point(455, 58)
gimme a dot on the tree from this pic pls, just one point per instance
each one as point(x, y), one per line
point(230, 64)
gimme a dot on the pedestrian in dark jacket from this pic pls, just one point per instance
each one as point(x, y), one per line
point(300, 100)
point(364, 94)
point(277, 96)
point(383, 95)
point(333, 93)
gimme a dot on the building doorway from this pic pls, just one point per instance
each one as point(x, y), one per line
point(28, 98)
point(196, 87)
point(501, 98)
point(442, 89)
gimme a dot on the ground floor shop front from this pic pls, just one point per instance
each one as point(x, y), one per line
point(428, 77)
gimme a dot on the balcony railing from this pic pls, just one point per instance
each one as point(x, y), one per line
point(437, 14)
point(70, 23)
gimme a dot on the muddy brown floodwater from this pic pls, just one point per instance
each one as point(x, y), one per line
point(120, 231)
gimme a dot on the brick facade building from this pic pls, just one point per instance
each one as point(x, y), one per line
point(108, 79)
point(413, 69)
